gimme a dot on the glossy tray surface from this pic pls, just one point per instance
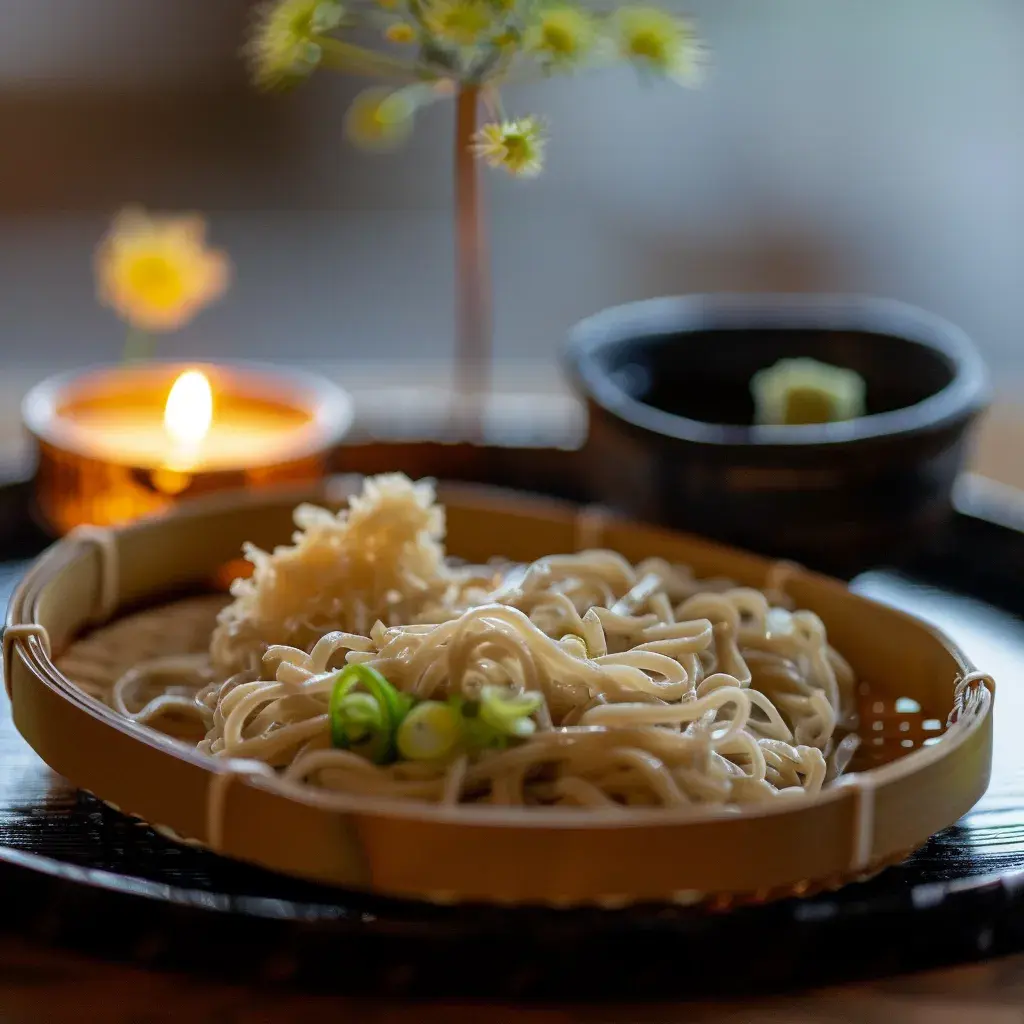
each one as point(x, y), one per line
point(65, 857)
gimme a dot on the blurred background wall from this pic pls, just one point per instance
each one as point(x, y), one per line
point(861, 145)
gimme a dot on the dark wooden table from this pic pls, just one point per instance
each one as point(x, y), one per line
point(40, 986)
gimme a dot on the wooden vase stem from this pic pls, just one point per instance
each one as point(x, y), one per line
point(472, 283)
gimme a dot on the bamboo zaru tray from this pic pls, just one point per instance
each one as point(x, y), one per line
point(926, 717)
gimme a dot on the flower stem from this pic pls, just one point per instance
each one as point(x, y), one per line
point(138, 345)
point(473, 337)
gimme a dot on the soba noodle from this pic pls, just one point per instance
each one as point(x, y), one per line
point(620, 685)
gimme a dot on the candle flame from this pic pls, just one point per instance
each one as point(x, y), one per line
point(189, 410)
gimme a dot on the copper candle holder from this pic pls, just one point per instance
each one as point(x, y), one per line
point(116, 443)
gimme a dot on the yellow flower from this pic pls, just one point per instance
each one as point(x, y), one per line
point(517, 146)
point(400, 32)
point(379, 118)
point(283, 45)
point(459, 22)
point(157, 272)
point(659, 42)
point(506, 40)
point(561, 35)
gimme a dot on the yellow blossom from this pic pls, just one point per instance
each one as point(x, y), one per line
point(506, 40)
point(283, 45)
point(459, 22)
point(516, 146)
point(379, 118)
point(400, 32)
point(659, 42)
point(561, 34)
point(157, 272)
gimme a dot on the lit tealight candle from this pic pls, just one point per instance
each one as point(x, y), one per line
point(188, 414)
point(125, 441)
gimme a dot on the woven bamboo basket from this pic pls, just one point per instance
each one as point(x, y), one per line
point(98, 600)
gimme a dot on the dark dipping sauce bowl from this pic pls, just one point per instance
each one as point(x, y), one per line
point(672, 438)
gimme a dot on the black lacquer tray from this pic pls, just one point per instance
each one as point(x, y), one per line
point(76, 872)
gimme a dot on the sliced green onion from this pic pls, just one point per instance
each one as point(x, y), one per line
point(429, 732)
point(371, 718)
point(365, 721)
point(478, 735)
point(508, 714)
point(360, 716)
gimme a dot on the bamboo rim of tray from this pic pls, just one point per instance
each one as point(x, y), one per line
point(480, 853)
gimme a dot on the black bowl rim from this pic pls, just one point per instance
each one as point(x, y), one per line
point(962, 399)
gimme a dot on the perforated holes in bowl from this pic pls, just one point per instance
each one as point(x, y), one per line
point(893, 726)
